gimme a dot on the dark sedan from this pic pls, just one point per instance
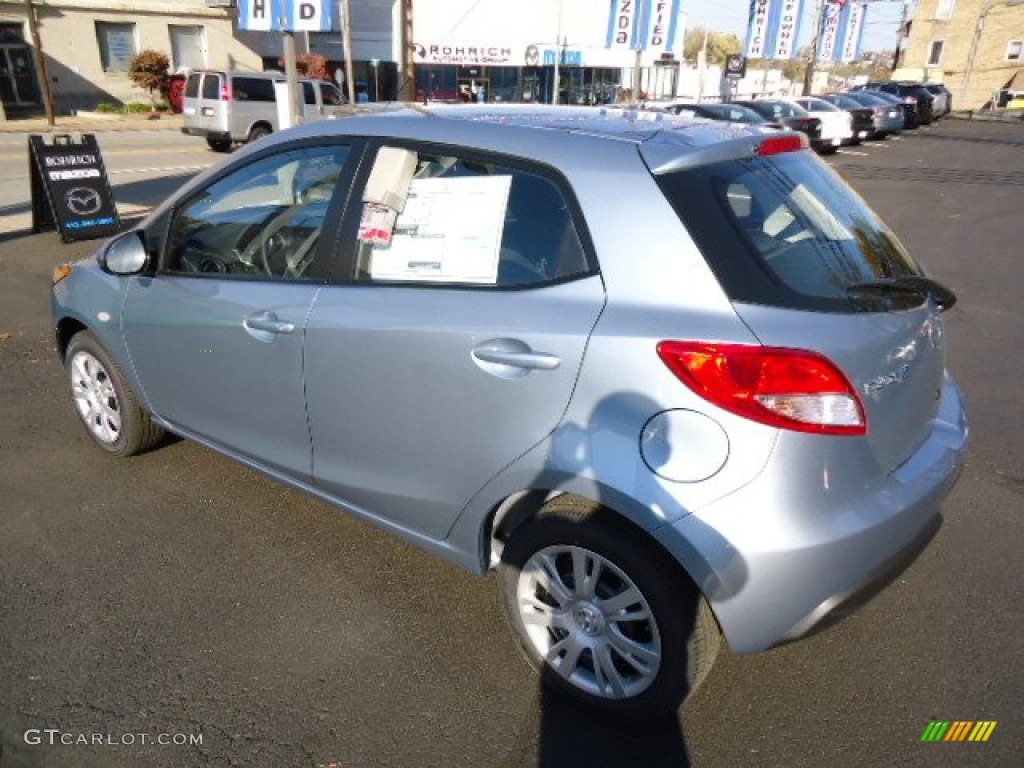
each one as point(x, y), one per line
point(732, 113)
point(888, 118)
point(783, 114)
point(861, 117)
point(916, 91)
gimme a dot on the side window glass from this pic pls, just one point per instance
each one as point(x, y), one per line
point(261, 221)
point(445, 219)
point(308, 96)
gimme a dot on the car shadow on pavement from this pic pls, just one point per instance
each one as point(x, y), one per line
point(568, 736)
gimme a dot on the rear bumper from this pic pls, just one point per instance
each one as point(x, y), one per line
point(778, 560)
point(191, 130)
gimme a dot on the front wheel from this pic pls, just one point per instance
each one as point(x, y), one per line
point(609, 619)
point(106, 405)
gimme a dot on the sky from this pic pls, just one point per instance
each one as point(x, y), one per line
point(883, 20)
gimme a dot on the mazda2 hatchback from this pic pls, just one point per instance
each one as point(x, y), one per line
point(671, 378)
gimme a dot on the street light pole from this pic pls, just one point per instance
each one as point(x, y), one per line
point(976, 39)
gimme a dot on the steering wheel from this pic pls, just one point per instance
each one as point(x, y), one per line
point(258, 252)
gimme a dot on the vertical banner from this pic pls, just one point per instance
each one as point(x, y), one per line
point(622, 24)
point(827, 43)
point(662, 18)
point(757, 29)
point(789, 28)
point(853, 32)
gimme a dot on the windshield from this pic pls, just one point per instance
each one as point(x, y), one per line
point(785, 230)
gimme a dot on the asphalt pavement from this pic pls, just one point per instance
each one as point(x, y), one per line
point(178, 596)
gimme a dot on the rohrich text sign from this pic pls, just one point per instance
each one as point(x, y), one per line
point(70, 189)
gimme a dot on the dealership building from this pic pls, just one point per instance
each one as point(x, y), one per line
point(571, 51)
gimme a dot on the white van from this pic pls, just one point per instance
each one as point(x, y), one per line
point(229, 107)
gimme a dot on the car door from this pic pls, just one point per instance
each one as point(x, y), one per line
point(216, 333)
point(456, 343)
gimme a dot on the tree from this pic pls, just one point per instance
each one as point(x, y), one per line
point(311, 65)
point(720, 45)
point(148, 69)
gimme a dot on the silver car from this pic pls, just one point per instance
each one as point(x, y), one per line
point(671, 378)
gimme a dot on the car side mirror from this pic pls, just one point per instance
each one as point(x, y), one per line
point(125, 254)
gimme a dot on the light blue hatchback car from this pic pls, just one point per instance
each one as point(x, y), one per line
point(670, 377)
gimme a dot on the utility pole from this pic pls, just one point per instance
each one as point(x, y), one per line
point(407, 65)
point(40, 62)
point(809, 71)
point(900, 35)
point(555, 95)
point(291, 76)
point(346, 37)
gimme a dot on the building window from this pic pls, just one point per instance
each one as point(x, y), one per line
point(935, 53)
point(1015, 50)
point(188, 51)
point(116, 44)
point(944, 10)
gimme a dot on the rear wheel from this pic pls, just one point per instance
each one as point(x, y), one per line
point(106, 405)
point(609, 619)
point(218, 145)
point(258, 132)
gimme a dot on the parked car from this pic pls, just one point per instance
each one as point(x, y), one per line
point(227, 107)
point(943, 103)
point(916, 91)
point(835, 122)
point(906, 104)
point(862, 122)
point(888, 118)
point(732, 113)
point(784, 114)
point(436, 319)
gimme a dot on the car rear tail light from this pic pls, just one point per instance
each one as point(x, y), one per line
point(225, 93)
point(786, 388)
point(775, 145)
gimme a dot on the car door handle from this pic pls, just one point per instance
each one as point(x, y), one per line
point(539, 360)
point(267, 322)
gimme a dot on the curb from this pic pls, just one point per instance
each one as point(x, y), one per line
point(93, 121)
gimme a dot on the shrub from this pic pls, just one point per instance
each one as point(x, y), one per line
point(309, 65)
point(148, 69)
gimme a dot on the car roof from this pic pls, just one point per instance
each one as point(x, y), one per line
point(547, 132)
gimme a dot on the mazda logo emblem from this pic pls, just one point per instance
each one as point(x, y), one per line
point(82, 201)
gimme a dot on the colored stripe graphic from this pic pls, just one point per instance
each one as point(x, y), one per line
point(958, 730)
point(935, 731)
point(982, 730)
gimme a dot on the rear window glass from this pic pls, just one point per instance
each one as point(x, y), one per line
point(786, 231)
point(192, 85)
point(211, 87)
point(252, 89)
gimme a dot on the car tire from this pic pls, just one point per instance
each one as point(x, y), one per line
point(106, 405)
point(642, 668)
point(219, 145)
point(258, 132)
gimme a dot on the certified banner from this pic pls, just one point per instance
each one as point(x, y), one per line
point(829, 32)
point(852, 31)
point(788, 29)
point(662, 15)
point(623, 17)
point(757, 29)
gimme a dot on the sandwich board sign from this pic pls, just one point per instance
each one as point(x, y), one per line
point(70, 189)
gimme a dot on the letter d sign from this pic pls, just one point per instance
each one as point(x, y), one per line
point(307, 15)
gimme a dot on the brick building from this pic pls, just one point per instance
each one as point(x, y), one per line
point(975, 47)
